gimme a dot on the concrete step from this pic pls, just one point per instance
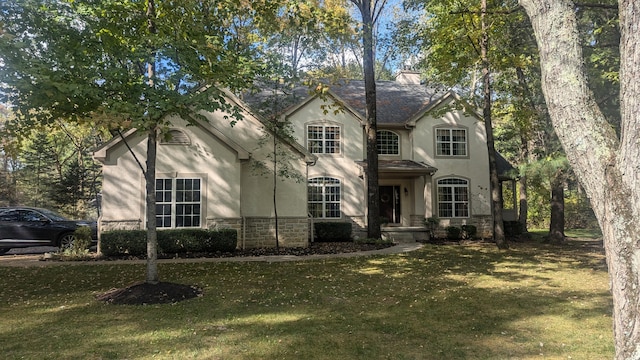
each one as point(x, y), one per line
point(405, 235)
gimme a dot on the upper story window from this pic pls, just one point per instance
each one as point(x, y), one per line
point(323, 139)
point(178, 203)
point(451, 142)
point(324, 197)
point(453, 198)
point(388, 143)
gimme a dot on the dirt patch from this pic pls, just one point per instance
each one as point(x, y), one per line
point(143, 293)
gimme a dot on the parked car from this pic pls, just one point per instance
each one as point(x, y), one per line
point(22, 227)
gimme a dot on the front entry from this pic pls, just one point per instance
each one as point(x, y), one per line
point(390, 204)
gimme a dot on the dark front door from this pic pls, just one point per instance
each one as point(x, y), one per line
point(390, 204)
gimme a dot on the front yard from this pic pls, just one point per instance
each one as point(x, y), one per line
point(442, 302)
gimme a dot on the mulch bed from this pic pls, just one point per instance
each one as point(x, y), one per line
point(142, 293)
point(313, 249)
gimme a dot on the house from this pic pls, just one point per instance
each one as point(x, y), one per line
point(208, 175)
point(433, 162)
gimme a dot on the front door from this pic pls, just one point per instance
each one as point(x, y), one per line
point(390, 204)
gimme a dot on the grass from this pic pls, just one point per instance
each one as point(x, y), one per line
point(441, 302)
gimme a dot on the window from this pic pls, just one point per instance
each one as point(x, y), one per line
point(323, 139)
point(324, 197)
point(178, 203)
point(451, 142)
point(388, 143)
point(453, 198)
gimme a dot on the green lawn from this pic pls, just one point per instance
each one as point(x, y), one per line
point(441, 302)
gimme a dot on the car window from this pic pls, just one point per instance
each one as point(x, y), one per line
point(52, 215)
point(31, 216)
point(9, 215)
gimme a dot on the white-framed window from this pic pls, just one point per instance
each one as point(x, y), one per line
point(451, 142)
point(178, 203)
point(453, 198)
point(388, 143)
point(324, 197)
point(323, 139)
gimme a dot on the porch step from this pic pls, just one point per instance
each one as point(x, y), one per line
point(404, 235)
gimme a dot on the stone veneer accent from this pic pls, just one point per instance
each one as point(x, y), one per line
point(483, 223)
point(260, 231)
point(109, 225)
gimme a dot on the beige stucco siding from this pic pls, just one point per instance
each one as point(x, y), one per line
point(340, 166)
point(472, 167)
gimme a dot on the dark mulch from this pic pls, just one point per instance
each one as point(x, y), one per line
point(313, 249)
point(143, 293)
point(167, 293)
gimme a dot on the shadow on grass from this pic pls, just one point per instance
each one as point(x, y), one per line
point(442, 302)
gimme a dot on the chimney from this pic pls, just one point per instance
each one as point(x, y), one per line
point(408, 77)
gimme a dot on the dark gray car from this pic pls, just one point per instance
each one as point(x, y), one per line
point(22, 227)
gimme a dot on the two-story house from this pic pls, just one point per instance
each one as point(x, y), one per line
point(433, 162)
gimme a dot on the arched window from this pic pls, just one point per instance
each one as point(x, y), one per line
point(324, 197)
point(453, 198)
point(388, 143)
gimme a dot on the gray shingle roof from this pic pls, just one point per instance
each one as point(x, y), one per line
point(395, 103)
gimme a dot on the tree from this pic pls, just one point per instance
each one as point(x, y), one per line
point(458, 42)
point(370, 11)
point(605, 163)
point(133, 63)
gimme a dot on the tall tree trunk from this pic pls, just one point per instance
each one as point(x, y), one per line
point(606, 165)
point(496, 189)
point(152, 234)
point(523, 208)
point(556, 226)
point(371, 127)
point(150, 175)
point(275, 188)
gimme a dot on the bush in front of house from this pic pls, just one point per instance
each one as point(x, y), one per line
point(469, 231)
point(332, 231)
point(173, 241)
point(453, 232)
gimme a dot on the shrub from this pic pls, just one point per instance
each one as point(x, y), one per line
point(332, 231)
point(431, 223)
point(453, 232)
point(81, 243)
point(121, 242)
point(173, 241)
point(469, 231)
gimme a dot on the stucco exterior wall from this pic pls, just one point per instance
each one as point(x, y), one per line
point(473, 167)
point(233, 192)
point(340, 166)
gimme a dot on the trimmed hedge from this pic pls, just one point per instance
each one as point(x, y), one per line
point(172, 241)
point(332, 231)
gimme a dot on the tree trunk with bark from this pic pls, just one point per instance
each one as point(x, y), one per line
point(152, 234)
point(556, 226)
point(371, 127)
point(496, 190)
point(606, 166)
